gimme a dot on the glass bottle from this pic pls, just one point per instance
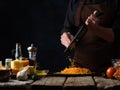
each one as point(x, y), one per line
point(32, 51)
point(18, 52)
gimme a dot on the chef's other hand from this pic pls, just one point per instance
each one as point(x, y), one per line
point(66, 38)
point(92, 19)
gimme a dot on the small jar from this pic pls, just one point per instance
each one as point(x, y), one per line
point(8, 62)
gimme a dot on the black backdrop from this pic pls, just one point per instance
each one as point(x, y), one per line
point(34, 21)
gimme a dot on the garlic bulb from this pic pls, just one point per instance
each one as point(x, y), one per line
point(22, 75)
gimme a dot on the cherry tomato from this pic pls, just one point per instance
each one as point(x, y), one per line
point(110, 71)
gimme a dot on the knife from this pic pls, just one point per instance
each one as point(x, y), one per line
point(78, 36)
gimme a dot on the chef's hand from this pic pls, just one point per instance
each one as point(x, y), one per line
point(66, 38)
point(93, 21)
point(105, 33)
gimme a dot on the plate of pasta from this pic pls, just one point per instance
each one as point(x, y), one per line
point(75, 71)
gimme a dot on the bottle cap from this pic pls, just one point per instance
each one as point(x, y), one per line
point(32, 48)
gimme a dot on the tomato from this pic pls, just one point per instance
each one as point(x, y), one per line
point(110, 71)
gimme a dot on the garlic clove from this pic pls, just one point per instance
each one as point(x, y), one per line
point(22, 75)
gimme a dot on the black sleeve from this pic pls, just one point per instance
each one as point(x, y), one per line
point(116, 24)
point(68, 25)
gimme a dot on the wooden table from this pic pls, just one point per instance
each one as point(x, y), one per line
point(63, 83)
point(75, 83)
point(13, 84)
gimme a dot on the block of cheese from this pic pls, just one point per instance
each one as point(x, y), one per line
point(16, 64)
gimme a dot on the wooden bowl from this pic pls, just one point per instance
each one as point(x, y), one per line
point(5, 75)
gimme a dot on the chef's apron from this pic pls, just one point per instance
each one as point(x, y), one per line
point(93, 52)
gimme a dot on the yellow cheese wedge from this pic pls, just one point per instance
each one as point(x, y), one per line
point(16, 64)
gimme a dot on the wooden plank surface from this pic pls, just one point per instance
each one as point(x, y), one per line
point(16, 85)
point(49, 83)
point(13, 82)
point(107, 84)
point(80, 82)
point(63, 83)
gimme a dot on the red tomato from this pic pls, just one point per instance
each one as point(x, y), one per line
point(110, 71)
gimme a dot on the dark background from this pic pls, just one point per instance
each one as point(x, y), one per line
point(34, 21)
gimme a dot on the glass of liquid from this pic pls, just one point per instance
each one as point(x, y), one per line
point(8, 62)
point(0, 64)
